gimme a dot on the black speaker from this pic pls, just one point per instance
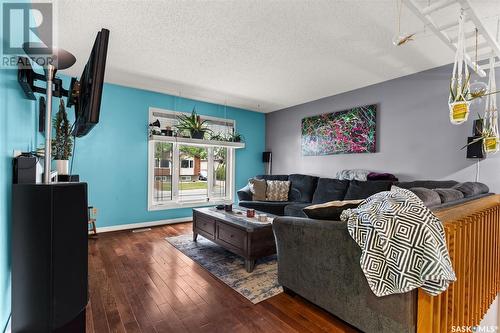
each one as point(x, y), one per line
point(25, 169)
point(475, 150)
point(49, 257)
point(68, 178)
point(266, 156)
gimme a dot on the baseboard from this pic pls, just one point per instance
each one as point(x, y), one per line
point(143, 224)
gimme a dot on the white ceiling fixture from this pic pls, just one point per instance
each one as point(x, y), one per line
point(260, 55)
point(477, 29)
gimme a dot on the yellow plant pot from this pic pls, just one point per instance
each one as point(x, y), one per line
point(459, 112)
point(490, 144)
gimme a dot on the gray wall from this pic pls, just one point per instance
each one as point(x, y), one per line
point(415, 139)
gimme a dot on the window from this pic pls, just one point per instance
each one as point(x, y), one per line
point(185, 172)
point(162, 160)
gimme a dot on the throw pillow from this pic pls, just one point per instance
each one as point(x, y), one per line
point(470, 189)
point(381, 176)
point(362, 190)
point(258, 188)
point(449, 194)
point(353, 174)
point(330, 210)
point(429, 197)
point(277, 190)
point(329, 189)
point(302, 187)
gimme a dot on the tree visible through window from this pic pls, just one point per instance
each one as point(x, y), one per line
point(189, 173)
point(183, 172)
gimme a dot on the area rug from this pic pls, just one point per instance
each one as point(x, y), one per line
point(256, 286)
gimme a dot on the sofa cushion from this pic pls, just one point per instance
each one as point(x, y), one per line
point(330, 210)
point(427, 184)
point(459, 202)
point(277, 190)
point(449, 194)
point(258, 188)
point(296, 209)
point(362, 190)
point(330, 189)
point(244, 194)
point(302, 187)
point(429, 197)
point(271, 207)
point(470, 189)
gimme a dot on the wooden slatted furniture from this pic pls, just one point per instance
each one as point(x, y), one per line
point(473, 239)
point(92, 220)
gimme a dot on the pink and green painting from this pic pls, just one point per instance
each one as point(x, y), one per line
point(345, 132)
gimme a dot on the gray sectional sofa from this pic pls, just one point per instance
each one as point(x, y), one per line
point(308, 190)
point(318, 260)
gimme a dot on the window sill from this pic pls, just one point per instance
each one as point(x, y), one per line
point(200, 142)
point(192, 204)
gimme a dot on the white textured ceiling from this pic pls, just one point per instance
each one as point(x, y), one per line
point(259, 55)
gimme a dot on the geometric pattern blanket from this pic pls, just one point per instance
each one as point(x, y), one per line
point(402, 243)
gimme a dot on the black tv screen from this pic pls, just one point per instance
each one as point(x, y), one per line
point(88, 104)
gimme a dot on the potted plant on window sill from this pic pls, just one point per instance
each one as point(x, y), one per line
point(62, 143)
point(193, 124)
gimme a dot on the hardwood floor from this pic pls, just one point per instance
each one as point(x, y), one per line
point(138, 282)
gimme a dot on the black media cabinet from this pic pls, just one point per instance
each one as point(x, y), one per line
point(49, 257)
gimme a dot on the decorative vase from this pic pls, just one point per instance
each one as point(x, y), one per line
point(197, 134)
point(62, 167)
point(459, 112)
point(490, 144)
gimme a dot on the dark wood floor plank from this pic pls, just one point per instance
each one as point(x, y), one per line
point(124, 309)
point(141, 283)
point(96, 278)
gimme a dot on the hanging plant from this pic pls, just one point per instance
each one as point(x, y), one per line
point(400, 38)
point(487, 136)
point(460, 81)
point(193, 125)
point(492, 138)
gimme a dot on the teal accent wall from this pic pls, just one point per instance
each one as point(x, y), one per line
point(17, 132)
point(18, 126)
point(112, 158)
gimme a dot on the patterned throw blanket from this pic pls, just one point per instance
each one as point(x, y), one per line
point(403, 244)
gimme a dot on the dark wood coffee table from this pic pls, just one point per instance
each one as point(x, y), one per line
point(237, 233)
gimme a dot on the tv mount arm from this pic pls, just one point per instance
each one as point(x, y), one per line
point(27, 78)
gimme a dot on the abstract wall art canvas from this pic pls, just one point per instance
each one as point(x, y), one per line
point(344, 132)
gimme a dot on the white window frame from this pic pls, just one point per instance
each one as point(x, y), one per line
point(175, 167)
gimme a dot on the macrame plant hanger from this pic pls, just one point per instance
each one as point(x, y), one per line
point(459, 85)
point(491, 136)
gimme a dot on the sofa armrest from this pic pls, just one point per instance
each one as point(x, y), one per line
point(319, 260)
point(245, 194)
